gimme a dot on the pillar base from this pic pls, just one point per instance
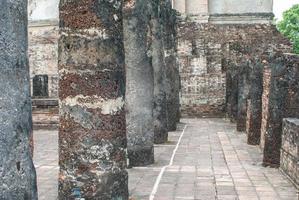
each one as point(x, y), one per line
point(107, 185)
point(161, 137)
point(141, 156)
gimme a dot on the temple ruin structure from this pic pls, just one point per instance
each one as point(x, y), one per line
point(115, 77)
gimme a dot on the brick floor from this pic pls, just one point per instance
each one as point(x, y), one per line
point(212, 161)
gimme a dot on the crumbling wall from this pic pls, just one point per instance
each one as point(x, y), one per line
point(215, 64)
point(290, 149)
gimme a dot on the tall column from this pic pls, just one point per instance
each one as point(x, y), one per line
point(140, 83)
point(92, 132)
point(17, 173)
point(158, 62)
point(274, 104)
point(243, 93)
point(172, 84)
point(254, 112)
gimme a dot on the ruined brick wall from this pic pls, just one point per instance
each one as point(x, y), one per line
point(43, 48)
point(290, 149)
point(200, 64)
point(214, 62)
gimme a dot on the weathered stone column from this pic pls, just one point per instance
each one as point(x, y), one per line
point(158, 62)
point(243, 93)
point(140, 83)
point(280, 100)
point(232, 92)
point(92, 132)
point(274, 104)
point(254, 107)
point(17, 173)
point(172, 84)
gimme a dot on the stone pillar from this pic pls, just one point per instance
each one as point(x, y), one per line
point(274, 104)
point(158, 62)
point(92, 132)
point(18, 177)
point(254, 106)
point(140, 83)
point(243, 92)
point(232, 92)
point(172, 83)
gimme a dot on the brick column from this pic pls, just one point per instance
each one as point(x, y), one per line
point(92, 132)
point(232, 92)
point(140, 83)
point(18, 177)
point(158, 62)
point(243, 93)
point(274, 104)
point(254, 106)
point(172, 83)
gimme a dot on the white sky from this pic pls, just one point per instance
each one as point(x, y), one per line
point(281, 5)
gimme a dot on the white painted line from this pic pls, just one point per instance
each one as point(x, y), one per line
point(158, 180)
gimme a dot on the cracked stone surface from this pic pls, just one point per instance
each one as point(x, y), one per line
point(212, 161)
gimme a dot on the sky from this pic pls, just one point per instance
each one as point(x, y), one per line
point(281, 5)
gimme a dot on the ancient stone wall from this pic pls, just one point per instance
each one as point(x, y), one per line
point(211, 59)
point(290, 149)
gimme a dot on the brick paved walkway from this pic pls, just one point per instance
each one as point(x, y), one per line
point(212, 161)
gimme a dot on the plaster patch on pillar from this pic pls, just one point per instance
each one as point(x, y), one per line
point(90, 33)
point(64, 71)
point(108, 107)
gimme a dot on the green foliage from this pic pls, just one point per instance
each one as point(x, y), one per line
point(289, 26)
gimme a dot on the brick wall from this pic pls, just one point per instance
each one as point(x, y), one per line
point(214, 62)
point(290, 149)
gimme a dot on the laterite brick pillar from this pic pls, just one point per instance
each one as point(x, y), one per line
point(274, 104)
point(92, 132)
point(254, 106)
point(17, 173)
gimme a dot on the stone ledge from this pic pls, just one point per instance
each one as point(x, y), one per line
point(244, 18)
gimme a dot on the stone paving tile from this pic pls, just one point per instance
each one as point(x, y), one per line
point(212, 162)
point(46, 163)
